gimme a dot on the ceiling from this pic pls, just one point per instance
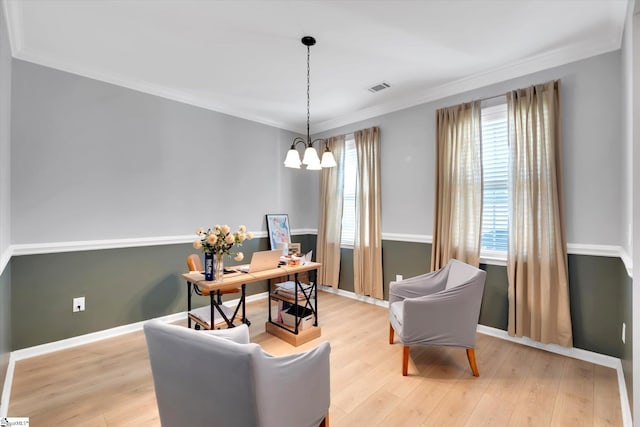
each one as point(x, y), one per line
point(245, 58)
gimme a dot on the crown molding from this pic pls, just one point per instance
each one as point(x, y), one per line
point(530, 65)
point(13, 20)
point(550, 59)
point(148, 88)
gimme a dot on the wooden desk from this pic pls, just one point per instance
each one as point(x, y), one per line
point(219, 314)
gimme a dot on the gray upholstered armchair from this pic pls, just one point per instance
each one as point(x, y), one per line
point(437, 308)
point(206, 378)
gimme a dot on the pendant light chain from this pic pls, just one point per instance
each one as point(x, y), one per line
point(308, 95)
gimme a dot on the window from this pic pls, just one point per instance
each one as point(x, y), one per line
point(349, 196)
point(495, 180)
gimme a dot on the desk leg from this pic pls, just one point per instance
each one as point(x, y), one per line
point(295, 289)
point(269, 287)
point(212, 297)
point(244, 307)
point(188, 304)
point(315, 294)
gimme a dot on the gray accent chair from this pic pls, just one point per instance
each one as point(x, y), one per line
point(218, 378)
point(440, 308)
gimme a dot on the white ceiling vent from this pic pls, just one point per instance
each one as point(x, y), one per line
point(378, 87)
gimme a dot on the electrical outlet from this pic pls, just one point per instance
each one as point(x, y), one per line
point(398, 277)
point(624, 333)
point(78, 304)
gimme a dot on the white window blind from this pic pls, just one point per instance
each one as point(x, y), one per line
point(495, 180)
point(349, 197)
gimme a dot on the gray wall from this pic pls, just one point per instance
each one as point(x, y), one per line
point(599, 289)
point(5, 133)
point(593, 152)
point(635, 190)
point(597, 170)
point(5, 325)
point(121, 286)
point(5, 237)
point(626, 83)
point(98, 161)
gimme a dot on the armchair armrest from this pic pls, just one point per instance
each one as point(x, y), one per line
point(293, 390)
point(448, 318)
point(418, 286)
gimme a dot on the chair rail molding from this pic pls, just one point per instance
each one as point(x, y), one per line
point(5, 257)
point(613, 251)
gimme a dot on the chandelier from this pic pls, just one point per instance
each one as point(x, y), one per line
point(310, 158)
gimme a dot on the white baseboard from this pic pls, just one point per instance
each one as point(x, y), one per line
point(576, 353)
point(6, 389)
point(349, 294)
point(39, 350)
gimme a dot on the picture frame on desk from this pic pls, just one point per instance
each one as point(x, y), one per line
point(278, 229)
point(294, 249)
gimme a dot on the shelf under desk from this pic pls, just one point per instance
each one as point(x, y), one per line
point(196, 283)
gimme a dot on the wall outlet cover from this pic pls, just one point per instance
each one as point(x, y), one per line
point(78, 304)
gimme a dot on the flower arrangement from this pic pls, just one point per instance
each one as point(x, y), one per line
point(220, 240)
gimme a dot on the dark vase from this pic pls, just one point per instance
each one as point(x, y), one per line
point(208, 266)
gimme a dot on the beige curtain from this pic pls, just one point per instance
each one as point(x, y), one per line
point(537, 257)
point(367, 246)
point(458, 198)
point(330, 216)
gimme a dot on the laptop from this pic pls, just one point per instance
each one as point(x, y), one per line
point(262, 260)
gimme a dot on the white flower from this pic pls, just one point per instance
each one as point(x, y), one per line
point(212, 239)
point(242, 228)
point(226, 229)
point(197, 244)
point(239, 256)
point(216, 227)
point(249, 235)
point(241, 237)
point(200, 231)
point(230, 239)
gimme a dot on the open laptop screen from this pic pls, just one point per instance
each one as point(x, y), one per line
point(262, 260)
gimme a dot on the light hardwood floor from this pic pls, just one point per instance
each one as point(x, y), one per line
point(109, 383)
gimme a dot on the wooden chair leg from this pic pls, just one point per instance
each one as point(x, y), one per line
point(391, 331)
point(325, 421)
point(471, 355)
point(405, 360)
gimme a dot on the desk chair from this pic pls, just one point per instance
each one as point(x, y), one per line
point(195, 264)
point(218, 378)
point(438, 308)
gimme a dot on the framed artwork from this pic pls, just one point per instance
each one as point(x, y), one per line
point(294, 249)
point(278, 229)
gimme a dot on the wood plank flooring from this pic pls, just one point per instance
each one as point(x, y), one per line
point(109, 383)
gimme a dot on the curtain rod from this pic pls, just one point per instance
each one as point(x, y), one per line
point(492, 97)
